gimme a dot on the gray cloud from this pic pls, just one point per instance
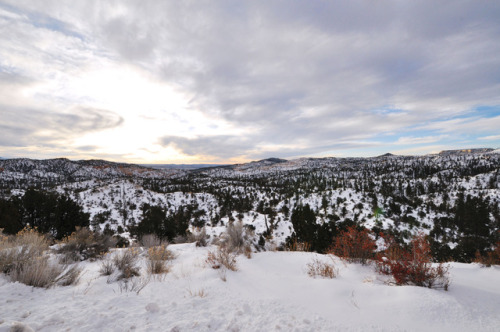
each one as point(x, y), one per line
point(227, 146)
point(315, 74)
point(223, 146)
point(34, 127)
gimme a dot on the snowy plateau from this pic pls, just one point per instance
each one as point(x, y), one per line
point(271, 291)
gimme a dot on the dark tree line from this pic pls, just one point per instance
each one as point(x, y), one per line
point(49, 213)
point(156, 221)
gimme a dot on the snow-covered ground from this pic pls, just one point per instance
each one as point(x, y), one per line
point(270, 292)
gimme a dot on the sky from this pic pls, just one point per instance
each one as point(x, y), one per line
point(234, 81)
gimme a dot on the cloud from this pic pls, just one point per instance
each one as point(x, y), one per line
point(294, 78)
point(490, 138)
point(419, 140)
point(223, 146)
point(34, 127)
point(334, 61)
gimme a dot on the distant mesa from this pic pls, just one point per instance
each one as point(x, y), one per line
point(387, 155)
point(181, 166)
point(274, 160)
point(266, 162)
point(465, 151)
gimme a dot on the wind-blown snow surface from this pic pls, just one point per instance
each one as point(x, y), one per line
point(270, 292)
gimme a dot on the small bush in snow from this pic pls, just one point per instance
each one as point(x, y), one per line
point(490, 258)
point(17, 250)
point(151, 240)
point(107, 267)
point(413, 267)
point(237, 239)
point(200, 293)
point(37, 272)
point(84, 244)
point(353, 245)
point(199, 237)
point(135, 285)
point(71, 276)
point(23, 257)
point(318, 268)
point(158, 258)
point(222, 259)
point(298, 246)
point(126, 263)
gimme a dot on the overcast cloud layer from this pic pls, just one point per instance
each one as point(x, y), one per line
point(231, 81)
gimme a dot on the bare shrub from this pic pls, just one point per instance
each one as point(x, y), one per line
point(318, 268)
point(18, 250)
point(135, 284)
point(222, 259)
point(489, 258)
point(6, 254)
point(413, 267)
point(158, 258)
point(151, 240)
point(298, 246)
point(24, 258)
point(353, 245)
point(37, 272)
point(107, 267)
point(70, 276)
point(85, 244)
point(237, 239)
point(126, 263)
point(199, 237)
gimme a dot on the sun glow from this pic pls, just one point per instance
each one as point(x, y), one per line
point(149, 109)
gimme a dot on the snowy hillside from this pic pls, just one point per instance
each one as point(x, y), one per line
point(269, 292)
point(284, 207)
point(412, 194)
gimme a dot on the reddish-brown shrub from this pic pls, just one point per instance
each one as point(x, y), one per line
point(490, 258)
point(412, 267)
point(353, 245)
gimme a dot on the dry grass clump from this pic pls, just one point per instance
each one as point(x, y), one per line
point(222, 259)
point(107, 267)
point(298, 246)
point(126, 263)
point(24, 259)
point(135, 285)
point(71, 276)
point(37, 272)
point(199, 293)
point(158, 259)
point(21, 248)
point(199, 236)
point(318, 268)
point(237, 239)
point(85, 244)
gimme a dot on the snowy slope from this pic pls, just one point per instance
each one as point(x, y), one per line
point(413, 191)
point(270, 292)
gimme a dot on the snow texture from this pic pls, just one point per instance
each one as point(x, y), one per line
point(269, 292)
